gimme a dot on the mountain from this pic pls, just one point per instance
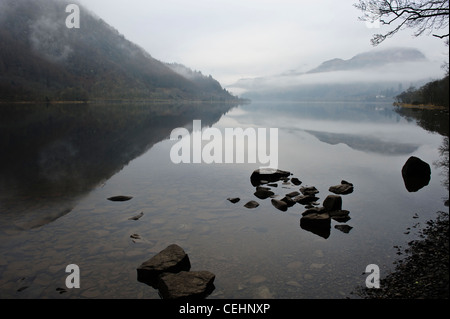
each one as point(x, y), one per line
point(371, 60)
point(42, 59)
point(366, 76)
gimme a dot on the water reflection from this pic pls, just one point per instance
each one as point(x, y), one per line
point(365, 143)
point(255, 253)
point(52, 155)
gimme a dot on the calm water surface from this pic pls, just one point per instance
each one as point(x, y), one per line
point(60, 164)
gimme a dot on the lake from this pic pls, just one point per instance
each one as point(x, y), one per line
point(61, 163)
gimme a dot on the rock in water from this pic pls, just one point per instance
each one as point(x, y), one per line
point(234, 200)
point(263, 194)
point(344, 228)
point(341, 216)
point(279, 204)
point(332, 202)
point(251, 204)
point(311, 190)
point(344, 188)
point(268, 176)
point(186, 285)
point(173, 259)
point(120, 198)
point(317, 223)
point(305, 199)
point(289, 201)
point(416, 174)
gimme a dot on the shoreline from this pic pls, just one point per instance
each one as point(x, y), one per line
point(420, 106)
point(424, 271)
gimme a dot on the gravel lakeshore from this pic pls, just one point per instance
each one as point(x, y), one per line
point(424, 271)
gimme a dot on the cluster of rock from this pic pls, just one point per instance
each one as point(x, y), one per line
point(169, 272)
point(315, 219)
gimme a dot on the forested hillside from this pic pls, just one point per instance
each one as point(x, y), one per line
point(433, 93)
point(41, 59)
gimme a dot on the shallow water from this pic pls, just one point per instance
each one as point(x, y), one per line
point(54, 208)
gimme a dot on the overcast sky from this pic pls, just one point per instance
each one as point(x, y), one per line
point(233, 39)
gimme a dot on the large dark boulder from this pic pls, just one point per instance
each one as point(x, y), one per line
point(332, 202)
point(316, 223)
point(267, 175)
point(186, 285)
point(416, 174)
point(173, 259)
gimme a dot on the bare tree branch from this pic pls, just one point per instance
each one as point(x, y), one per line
point(425, 16)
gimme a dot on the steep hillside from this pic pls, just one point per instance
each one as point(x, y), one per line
point(42, 59)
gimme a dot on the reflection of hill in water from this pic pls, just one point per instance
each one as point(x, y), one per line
point(52, 155)
point(430, 120)
point(365, 143)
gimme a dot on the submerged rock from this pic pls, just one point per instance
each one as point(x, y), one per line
point(172, 259)
point(267, 175)
point(416, 174)
point(344, 228)
point(137, 217)
point(186, 285)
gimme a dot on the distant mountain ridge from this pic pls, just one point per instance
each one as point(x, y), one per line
point(366, 76)
point(41, 59)
point(371, 59)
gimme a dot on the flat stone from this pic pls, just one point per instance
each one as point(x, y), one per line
point(186, 285)
point(120, 198)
